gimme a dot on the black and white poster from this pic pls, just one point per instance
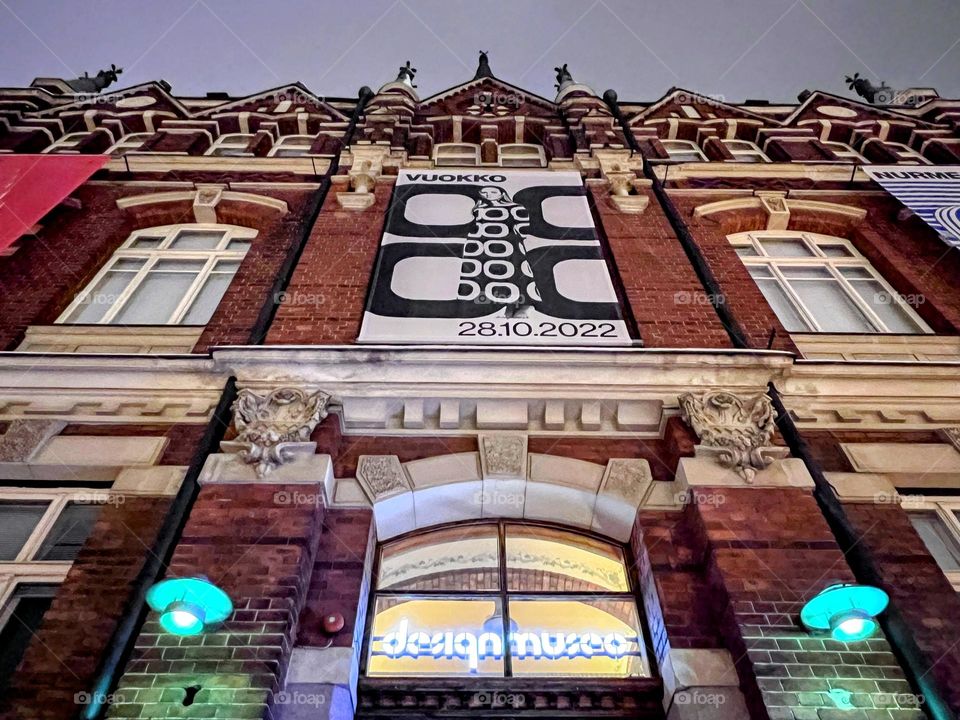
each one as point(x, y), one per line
point(491, 257)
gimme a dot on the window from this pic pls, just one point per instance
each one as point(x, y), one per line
point(906, 155)
point(41, 532)
point(292, 146)
point(937, 522)
point(171, 275)
point(846, 154)
point(818, 283)
point(456, 154)
point(129, 142)
point(503, 600)
point(522, 155)
point(234, 145)
point(683, 151)
point(67, 144)
point(745, 151)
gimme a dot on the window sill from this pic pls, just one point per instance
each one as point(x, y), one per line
point(156, 340)
point(856, 348)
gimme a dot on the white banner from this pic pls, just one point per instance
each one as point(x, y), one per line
point(491, 257)
point(932, 192)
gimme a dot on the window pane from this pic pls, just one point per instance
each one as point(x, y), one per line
point(782, 307)
point(576, 638)
point(69, 532)
point(541, 559)
point(885, 304)
point(159, 294)
point(146, 242)
point(26, 608)
point(746, 251)
point(459, 558)
point(103, 295)
point(17, 521)
point(806, 272)
point(207, 300)
point(835, 250)
point(938, 539)
point(830, 306)
point(415, 636)
point(785, 247)
point(197, 240)
point(238, 245)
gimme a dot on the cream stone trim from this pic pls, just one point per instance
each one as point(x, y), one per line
point(778, 207)
point(153, 340)
point(701, 670)
point(441, 391)
point(704, 472)
point(205, 200)
point(163, 162)
point(304, 467)
point(878, 346)
point(829, 172)
point(107, 389)
point(907, 464)
point(863, 487)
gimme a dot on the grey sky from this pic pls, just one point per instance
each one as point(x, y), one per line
point(736, 49)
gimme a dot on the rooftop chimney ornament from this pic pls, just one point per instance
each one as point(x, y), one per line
point(406, 74)
point(483, 67)
point(564, 77)
point(103, 79)
point(873, 94)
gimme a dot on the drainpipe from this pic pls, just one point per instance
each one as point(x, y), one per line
point(864, 568)
point(859, 558)
point(269, 310)
point(159, 554)
point(680, 229)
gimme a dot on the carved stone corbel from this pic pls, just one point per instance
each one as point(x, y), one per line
point(736, 429)
point(366, 167)
point(274, 426)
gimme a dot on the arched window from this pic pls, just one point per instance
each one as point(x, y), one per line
point(130, 142)
point(292, 146)
point(683, 151)
point(233, 145)
point(67, 144)
point(171, 275)
point(745, 151)
point(818, 283)
point(503, 599)
point(521, 155)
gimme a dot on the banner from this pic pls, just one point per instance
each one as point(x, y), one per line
point(932, 192)
point(494, 258)
point(32, 185)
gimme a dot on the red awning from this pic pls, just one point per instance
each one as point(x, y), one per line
point(32, 185)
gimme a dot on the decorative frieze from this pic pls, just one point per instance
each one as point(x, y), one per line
point(736, 427)
point(271, 426)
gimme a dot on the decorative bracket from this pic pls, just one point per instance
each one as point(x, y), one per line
point(737, 428)
point(272, 427)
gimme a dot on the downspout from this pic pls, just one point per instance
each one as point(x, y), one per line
point(680, 229)
point(269, 311)
point(859, 558)
point(121, 641)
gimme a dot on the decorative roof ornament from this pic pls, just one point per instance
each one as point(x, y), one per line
point(873, 94)
point(406, 74)
point(102, 80)
point(564, 77)
point(483, 66)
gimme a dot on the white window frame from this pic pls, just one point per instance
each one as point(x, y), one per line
point(753, 150)
point(684, 147)
point(163, 252)
point(230, 141)
point(818, 258)
point(538, 154)
point(466, 155)
point(66, 145)
point(946, 508)
point(281, 142)
point(126, 143)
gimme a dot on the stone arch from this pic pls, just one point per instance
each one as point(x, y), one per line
point(776, 211)
point(207, 203)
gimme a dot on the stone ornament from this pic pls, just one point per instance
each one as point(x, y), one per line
point(381, 475)
point(269, 425)
point(738, 428)
point(503, 455)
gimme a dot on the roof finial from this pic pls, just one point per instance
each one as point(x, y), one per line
point(103, 79)
point(873, 94)
point(483, 67)
point(563, 77)
point(406, 74)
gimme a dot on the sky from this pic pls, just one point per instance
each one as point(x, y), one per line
point(729, 49)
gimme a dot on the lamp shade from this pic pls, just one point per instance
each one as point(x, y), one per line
point(845, 610)
point(188, 605)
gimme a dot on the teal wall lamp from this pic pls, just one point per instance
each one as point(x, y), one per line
point(845, 610)
point(188, 605)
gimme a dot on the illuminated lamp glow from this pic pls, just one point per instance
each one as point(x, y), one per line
point(846, 611)
point(188, 605)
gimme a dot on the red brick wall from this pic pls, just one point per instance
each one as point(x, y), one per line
point(62, 660)
point(260, 548)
